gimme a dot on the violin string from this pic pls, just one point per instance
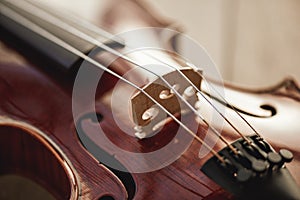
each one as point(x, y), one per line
point(204, 97)
point(85, 24)
point(51, 37)
point(61, 24)
point(230, 105)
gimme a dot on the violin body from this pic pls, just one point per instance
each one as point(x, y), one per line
point(39, 139)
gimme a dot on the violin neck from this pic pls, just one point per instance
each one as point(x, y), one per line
point(39, 48)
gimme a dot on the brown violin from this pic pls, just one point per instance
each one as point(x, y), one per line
point(135, 110)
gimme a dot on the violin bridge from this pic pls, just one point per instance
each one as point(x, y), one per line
point(149, 117)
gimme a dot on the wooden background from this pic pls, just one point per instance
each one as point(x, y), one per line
point(254, 42)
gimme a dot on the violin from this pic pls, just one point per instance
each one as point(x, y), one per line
point(136, 113)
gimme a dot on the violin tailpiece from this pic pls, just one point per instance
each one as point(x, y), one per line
point(257, 172)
